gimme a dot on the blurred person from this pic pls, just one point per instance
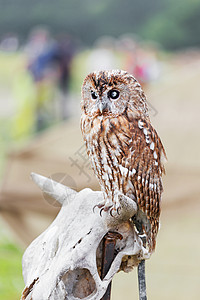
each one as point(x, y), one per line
point(38, 41)
point(51, 69)
point(40, 50)
point(67, 48)
point(33, 91)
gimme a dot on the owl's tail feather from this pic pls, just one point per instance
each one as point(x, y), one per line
point(153, 234)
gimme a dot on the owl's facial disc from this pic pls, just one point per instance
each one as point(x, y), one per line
point(105, 93)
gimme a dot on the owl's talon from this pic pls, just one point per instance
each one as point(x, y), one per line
point(111, 212)
point(105, 208)
point(108, 206)
point(99, 205)
point(94, 207)
point(101, 211)
point(118, 210)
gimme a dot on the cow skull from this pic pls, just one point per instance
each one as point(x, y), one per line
point(64, 262)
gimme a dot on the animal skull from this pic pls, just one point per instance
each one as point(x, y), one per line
point(64, 261)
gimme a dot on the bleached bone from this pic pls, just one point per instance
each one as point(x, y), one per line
point(64, 261)
point(54, 189)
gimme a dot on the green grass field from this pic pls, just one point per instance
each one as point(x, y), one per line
point(11, 281)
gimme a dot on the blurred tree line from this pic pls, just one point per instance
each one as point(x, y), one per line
point(173, 23)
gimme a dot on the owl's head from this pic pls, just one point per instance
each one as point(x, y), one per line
point(112, 93)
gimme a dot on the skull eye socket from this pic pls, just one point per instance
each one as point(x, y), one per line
point(94, 95)
point(113, 94)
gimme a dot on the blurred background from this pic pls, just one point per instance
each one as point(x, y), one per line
point(46, 49)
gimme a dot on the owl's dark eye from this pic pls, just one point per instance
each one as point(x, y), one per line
point(113, 94)
point(94, 95)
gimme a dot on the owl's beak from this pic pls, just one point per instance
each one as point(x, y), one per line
point(102, 106)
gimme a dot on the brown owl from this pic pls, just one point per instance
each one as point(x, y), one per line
point(125, 150)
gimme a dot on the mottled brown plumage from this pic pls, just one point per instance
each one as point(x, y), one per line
point(125, 150)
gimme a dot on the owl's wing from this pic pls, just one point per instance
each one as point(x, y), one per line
point(144, 160)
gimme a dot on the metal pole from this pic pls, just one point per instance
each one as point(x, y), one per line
point(142, 280)
point(108, 255)
point(141, 277)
